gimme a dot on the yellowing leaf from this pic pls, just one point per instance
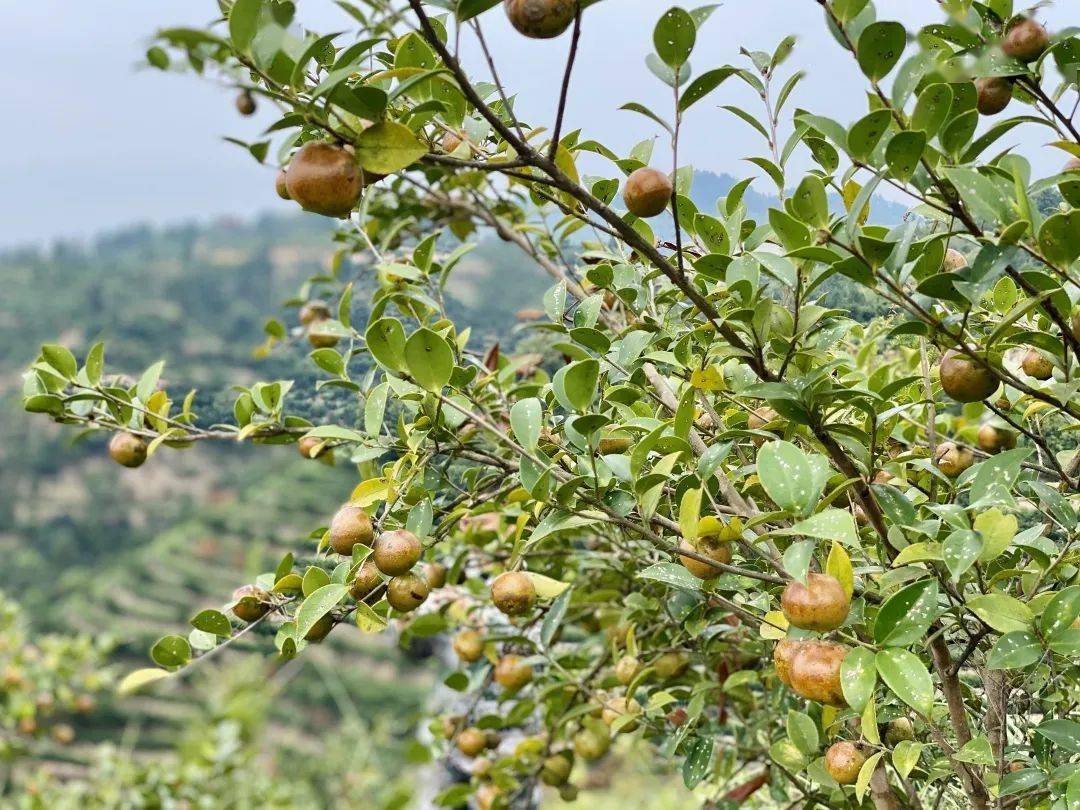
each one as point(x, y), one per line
point(839, 566)
point(707, 379)
point(134, 681)
point(867, 770)
point(997, 530)
point(370, 491)
point(546, 587)
point(689, 513)
point(774, 626)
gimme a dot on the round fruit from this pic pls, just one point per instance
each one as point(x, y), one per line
point(1026, 41)
point(313, 312)
point(471, 741)
point(993, 439)
point(245, 103)
point(815, 672)
point(127, 449)
point(540, 19)
point(250, 603)
point(993, 95)
point(1072, 165)
point(511, 673)
point(821, 604)
point(952, 459)
point(617, 707)
point(843, 761)
point(964, 380)
point(721, 552)
point(782, 656)
point(760, 417)
point(320, 339)
point(613, 445)
point(590, 744)
point(281, 185)
point(396, 552)
point(366, 580)
point(321, 629)
point(556, 769)
point(324, 179)
point(513, 593)
point(647, 192)
point(670, 665)
point(63, 734)
point(435, 574)
point(1037, 365)
point(406, 593)
point(450, 142)
point(954, 260)
point(899, 730)
point(627, 667)
point(469, 646)
point(349, 527)
point(312, 447)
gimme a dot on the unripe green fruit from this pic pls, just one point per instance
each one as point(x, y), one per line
point(471, 741)
point(469, 646)
point(406, 593)
point(396, 552)
point(556, 769)
point(511, 673)
point(898, 731)
point(589, 744)
point(670, 665)
point(366, 580)
point(626, 668)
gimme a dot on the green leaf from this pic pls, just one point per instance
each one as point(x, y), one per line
point(828, 524)
point(95, 362)
point(977, 751)
point(525, 418)
point(903, 153)
point(866, 132)
point(134, 681)
point(1004, 613)
point(244, 22)
point(467, 9)
point(810, 203)
point(802, 731)
point(907, 677)
point(317, 605)
point(673, 575)
point(212, 621)
point(579, 382)
point(429, 358)
point(906, 615)
point(387, 147)
point(797, 559)
point(703, 85)
point(61, 359)
point(367, 619)
point(1061, 612)
point(699, 754)
point(674, 36)
point(960, 551)
point(1015, 650)
point(858, 674)
point(554, 617)
point(385, 339)
point(1059, 238)
point(847, 10)
point(932, 108)
point(905, 756)
point(1064, 733)
point(880, 47)
point(171, 651)
point(793, 479)
point(995, 476)
point(996, 531)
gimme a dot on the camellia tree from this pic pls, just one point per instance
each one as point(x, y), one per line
point(817, 562)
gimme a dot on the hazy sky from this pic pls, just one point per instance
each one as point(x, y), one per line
point(93, 141)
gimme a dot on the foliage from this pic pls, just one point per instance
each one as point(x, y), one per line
point(709, 410)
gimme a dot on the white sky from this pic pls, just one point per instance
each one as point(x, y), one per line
point(91, 141)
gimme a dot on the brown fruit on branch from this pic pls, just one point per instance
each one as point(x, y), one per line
point(435, 574)
point(407, 592)
point(250, 603)
point(954, 260)
point(993, 95)
point(952, 459)
point(366, 580)
point(471, 741)
point(540, 19)
point(760, 417)
point(782, 656)
point(450, 142)
point(821, 604)
point(815, 672)
point(281, 185)
point(1027, 40)
point(321, 629)
point(513, 593)
point(1037, 365)
point(512, 673)
point(720, 552)
point(127, 449)
point(964, 380)
point(63, 734)
point(313, 312)
point(469, 646)
point(843, 761)
point(626, 669)
point(647, 192)
point(324, 179)
point(312, 447)
point(321, 339)
point(396, 552)
point(349, 527)
point(245, 103)
point(993, 439)
point(617, 707)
